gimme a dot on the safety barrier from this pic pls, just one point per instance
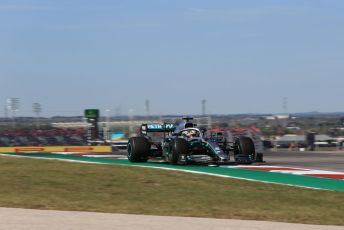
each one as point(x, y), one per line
point(26, 149)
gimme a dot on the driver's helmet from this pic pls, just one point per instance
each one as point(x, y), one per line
point(190, 133)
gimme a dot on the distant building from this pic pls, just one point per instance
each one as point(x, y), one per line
point(277, 117)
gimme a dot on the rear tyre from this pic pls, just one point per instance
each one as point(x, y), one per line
point(245, 149)
point(179, 147)
point(138, 149)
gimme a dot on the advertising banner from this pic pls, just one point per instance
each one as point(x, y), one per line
point(55, 149)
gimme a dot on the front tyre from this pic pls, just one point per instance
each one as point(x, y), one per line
point(138, 149)
point(179, 147)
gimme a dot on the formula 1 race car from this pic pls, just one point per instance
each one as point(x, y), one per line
point(184, 143)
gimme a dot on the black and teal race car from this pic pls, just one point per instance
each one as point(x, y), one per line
point(185, 143)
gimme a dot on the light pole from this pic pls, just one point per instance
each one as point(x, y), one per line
point(107, 134)
point(37, 109)
point(13, 106)
point(203, 106)
point(131, 116)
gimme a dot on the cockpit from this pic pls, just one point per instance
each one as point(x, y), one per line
point(191, 133)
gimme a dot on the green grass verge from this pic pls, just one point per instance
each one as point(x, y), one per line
point(48, 184)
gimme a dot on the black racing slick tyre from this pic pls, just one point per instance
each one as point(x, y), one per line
point(138, 149)
point(179, 147)
point(245, 146)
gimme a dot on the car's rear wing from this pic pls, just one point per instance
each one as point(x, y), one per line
point(150, 128)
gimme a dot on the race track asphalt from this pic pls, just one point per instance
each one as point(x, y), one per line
point(318, 160)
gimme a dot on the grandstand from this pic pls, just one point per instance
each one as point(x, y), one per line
point(55, 137)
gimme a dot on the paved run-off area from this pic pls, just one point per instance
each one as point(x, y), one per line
point(268, 176)
point(23, 219)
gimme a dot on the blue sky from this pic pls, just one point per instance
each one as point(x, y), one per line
point(242, 56)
